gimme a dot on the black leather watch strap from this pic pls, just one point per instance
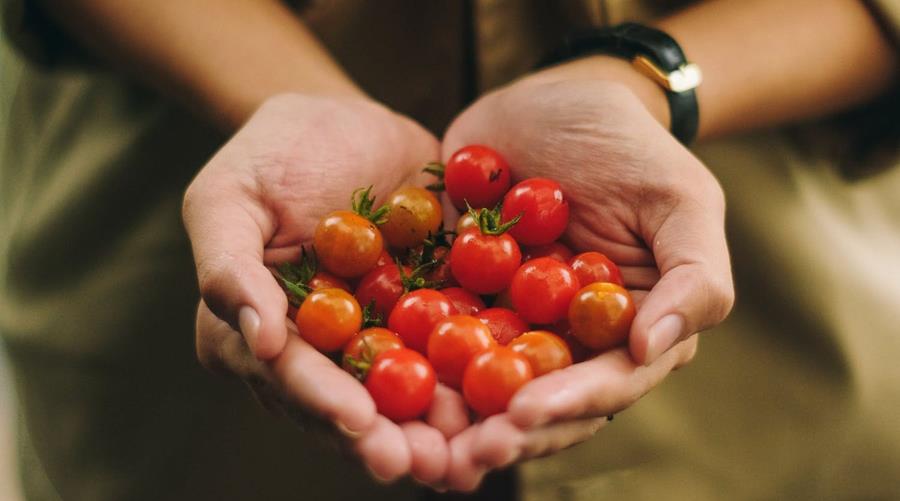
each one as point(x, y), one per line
point(630, 41)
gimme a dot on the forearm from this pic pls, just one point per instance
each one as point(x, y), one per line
point(221, 58)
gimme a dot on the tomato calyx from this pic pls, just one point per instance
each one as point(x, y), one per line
point(295, 277)
point(371, 317)
point(416, 279)
point(436, 169)
point(362, 201)
point(360, 366)
point(426, 256)
point(490, 222)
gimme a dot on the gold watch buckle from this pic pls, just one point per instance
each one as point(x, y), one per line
point(688, 76)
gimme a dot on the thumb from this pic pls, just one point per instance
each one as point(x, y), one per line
point(695, 290)
point(228, 231)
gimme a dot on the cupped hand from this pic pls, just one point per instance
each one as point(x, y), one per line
point(638, 196)
point(252, 206)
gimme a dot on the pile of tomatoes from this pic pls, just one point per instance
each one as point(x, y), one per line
point(404, 303)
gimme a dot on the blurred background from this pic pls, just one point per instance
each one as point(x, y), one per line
point(9, 486)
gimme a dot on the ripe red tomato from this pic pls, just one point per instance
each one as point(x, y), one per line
point(544, 350)
point(555, 250)
point(328, 318)
point(600, 315)
point(493, 377)
point(544, 211)
point(484, 264)
point(504, 324)
point(453, 342)
point(416, 314)
point(465, 302)
point(325, 280)
point(477, 175)
point(361, 350)
point(414, 214)
point(384, 258)
point(347, 244)
point(401, 382)
point(441, 274)
point(384, 285)
point(542, 289)
point(593, 267)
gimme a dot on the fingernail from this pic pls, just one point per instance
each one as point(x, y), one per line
point(347, 432)
point(662, 335)
point(248, 320)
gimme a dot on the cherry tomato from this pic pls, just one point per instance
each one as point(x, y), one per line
point(600, 315)
point(542, 289)
point(465, 302)
point(414, 213)
point(361, 350)
point(441, 274)
point(555, 250)
point(384, 258)
point(484, 264)
point(579, 352)
point(544, 211)
point(416, 314)
point(493, 377)
point(453, 342)
point(347, 244)
point(328, 318)
point(384, 285)
point(401, 382)
point(593, 267)
point(477, 175)
point(544, 350)
point(465, 222)
point(325, 280)
point(504, 324)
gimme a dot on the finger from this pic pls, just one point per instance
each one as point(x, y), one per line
point(384, 450)
point(639, 277)
point(463, 473)
point(601, 386)
point(499, 442)
point(448, 412)
point(429, 452)
point(228, 229)
point(313, 382)
point(695, 290)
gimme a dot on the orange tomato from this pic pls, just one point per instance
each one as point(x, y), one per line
point(347, 244)
point(544, 350)
point(414, 213)
point(600, 315)
point(328, 318)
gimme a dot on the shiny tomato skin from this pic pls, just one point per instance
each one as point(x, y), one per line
point(600, 315)
point(384, 258)
point(504, 324)
point(401, 382)
point(328, 318)
point(542, 289)
point(453, 342)
point(368, 344)
point(593, 267)
point(347, 244)
point(325, 280)
point(465, 222)
point(441, 274)
point(554, 250)
point(544, 211)
point(415, 315)
point(493, 377)
point(414, 213)
point(478, 175)
point(484, 264)
point(384, 285)
point(466, 303)
point(544, 350)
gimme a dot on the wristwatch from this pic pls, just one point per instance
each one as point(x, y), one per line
point(652, 53)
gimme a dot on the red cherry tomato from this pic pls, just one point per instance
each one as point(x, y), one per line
point(328, 318)
point(493, 377)
point(542, 289)
point(347, 244)
point(416, 314)
point(414, 213)
point(504, 324)
point(484, 264)
point(555, 250)
point(401, 382)
point(593, 267)
point(544, 350)
point(441, 273)
point(465, 302)
point(383, 285)
point(544, 211)
point(600, 315)
point(579, 352)
point(361, 350)
point(384, 258)
point(477, 175)
point(453, 342)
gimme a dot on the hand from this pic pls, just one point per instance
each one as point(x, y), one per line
point(251, 206)
point(636, 195)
